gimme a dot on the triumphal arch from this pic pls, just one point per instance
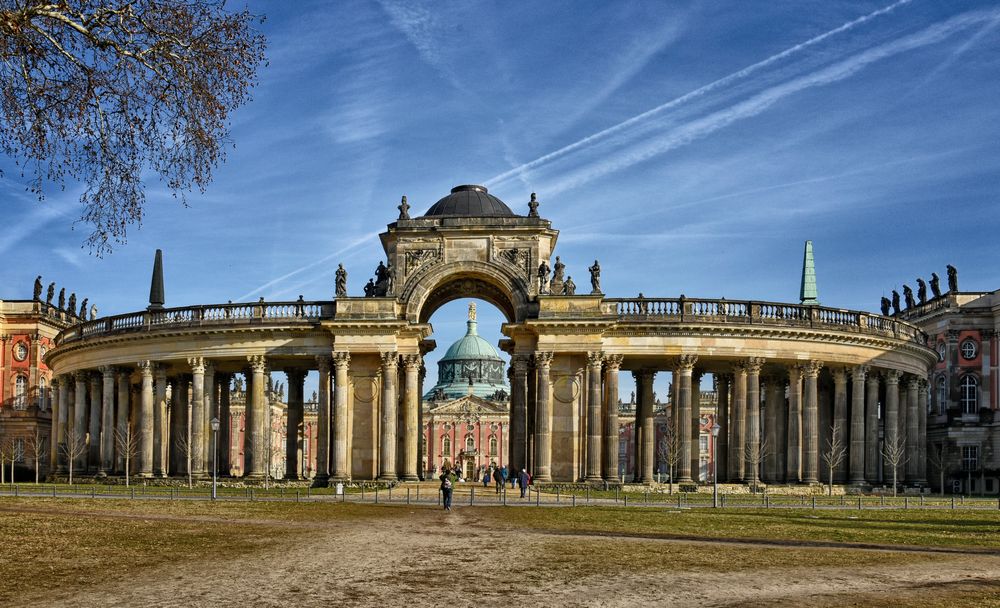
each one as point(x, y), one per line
point(790, 377)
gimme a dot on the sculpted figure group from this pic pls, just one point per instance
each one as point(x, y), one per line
point(921, 297)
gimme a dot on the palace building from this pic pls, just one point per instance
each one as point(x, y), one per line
point(789, 376)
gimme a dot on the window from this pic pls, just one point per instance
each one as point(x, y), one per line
point(969, 350)
point(703, 443)
point(470, 443)
point(446, 446)
point(42, 387)
point(19, 449)
point(21, 393)
point(970, 457)
point(20, 351)
point(942, 394)
point(493, 446)
point(969, 391)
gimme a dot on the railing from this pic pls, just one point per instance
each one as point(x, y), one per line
point(722, 311)
point(199, 316)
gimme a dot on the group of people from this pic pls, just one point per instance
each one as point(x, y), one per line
point(500, 476)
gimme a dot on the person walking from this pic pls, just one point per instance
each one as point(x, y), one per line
point(523, 480)
point(447, 487)
point(486, 478)
point(500, 476)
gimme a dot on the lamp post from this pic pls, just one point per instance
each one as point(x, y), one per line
point(215, 450)
point(715, 466)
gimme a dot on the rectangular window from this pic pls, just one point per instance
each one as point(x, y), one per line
point(970, 457)
point(19, 450)
point(703, 443)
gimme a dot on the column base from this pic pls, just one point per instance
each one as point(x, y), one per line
point(684, 480)
point(594, 479)
point(409, 477)
point(388, 477)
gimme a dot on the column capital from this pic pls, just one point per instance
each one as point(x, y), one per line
point(341, 359)
point(753, 364)
point(145, 367)
point(913, 382)
point(858, 373)
point(685, 363)
point(839, 375)
point(209, 367)
point(412, 362)
point(389, 360)
point(520, 363)
point(892, 376)
point(724, 377)
point(643, 373)
point(54, 381)
point(595, 359)
point(811, 369)
point(613, 362)
point(108, 371)
point(543, 359)
point(258, 363)
point(197, 364)
point(323, 363)
point(924, 383)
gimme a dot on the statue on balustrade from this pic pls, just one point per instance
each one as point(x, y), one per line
point(383, 280)
point(885, 306)
point(952, 278)
point(908, 296)
point(543, 278)
point(93, 311)
point(558, 271)
point(935, 285)
point(38, 289)
point(921, 291)
point(370, 288)
point(83, 310)
point(595, 278)
point(51, 292)
point(895, 302)
point(533, 206)
point(62, 299)
point(71, 306)
point(569, 287)
point(341, 281)
point(404, 209)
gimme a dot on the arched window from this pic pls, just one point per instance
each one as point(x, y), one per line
point(493, 446)
point(21, 393)
point(942, 395)
point(969, 391)
point(42, 393)
point(446, 446)
point(470, 443)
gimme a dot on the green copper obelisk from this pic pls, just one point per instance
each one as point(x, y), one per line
point(808, 292)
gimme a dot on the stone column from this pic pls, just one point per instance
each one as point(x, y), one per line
point(161, 441)
point(890, 434)
point(146, 420)
point(225, 425)
point(411, 417)
point(840, 429)
point(107, 444)
point(810, 422)
point(644, 385)
point(922, 433)
point(341, 431)
point(695, 425)
point(594, 361)
point(754, 451)
point(124, 441)
point(59, 455)
point(80, 423)
point(685, 366)
point(723, 383)
point(256, 425)
point(294, 419)
point(210, 412)
point(612, 363)
point(196, 446)
point(857, 455)
point(543, 417)
point(323, 421)
point(871, 428)
point(519, 412)
point(94, 433)
point(387, 437)
point(56, 406)
point(737, 443)
point(793, 458)
point(774, 400)
point(913, 438)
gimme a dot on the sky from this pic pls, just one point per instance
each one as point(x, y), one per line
point(691, 147)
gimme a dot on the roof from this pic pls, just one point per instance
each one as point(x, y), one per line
point(469, 201)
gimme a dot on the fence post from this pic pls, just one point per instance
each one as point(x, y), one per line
point(574, 500)
point(390, 494)
point(53, 490)
point(813, 502)
point(538, 497)
point(588, 495)
point(952, 503)
point(906, 502)
point(93, 491)
point(296, 496)
point(133, 493)
point(557, 494)
point(407, 495)
point(626, 500)
point(472, 496)
point(376, 494)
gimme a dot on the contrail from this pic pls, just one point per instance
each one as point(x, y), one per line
point(691, 95)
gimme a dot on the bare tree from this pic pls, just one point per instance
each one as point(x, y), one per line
point(101, 91)
point(894, 453)
point(834, 454)
point(37, 448)
point(669, 451)
point(75, 447)
point(127, 444)
point(184, 448)
point(754, 456)
point(6, 453)
point(937, 459)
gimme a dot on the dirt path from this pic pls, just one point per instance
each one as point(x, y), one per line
point(427, 557)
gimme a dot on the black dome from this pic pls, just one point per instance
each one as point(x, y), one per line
point(469, 201)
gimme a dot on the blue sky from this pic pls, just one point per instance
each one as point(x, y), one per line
point(692, 148)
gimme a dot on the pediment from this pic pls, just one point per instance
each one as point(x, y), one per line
point(469, 404)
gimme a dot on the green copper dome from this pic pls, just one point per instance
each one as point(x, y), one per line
point(471, 366)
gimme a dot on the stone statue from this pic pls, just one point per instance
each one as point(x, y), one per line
point(93, 311)
point(62, 298)
point(595, 278)
point(921, 291)
point(83, 309)
point(533, 206)
point(389, 280)
point(341, 281)
point(50, 292)
point(315, 397)
point(952, 278)
point(370, 288)
point(543, 277)
point(383, 280)
point(908, 296)
point(631, 398)
point(885, 306)
point(895, 302)
point(71, 306)
point(935, 285)
point(558, 272)
point(38, 289)
point(569, 287)
point(404, 209)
